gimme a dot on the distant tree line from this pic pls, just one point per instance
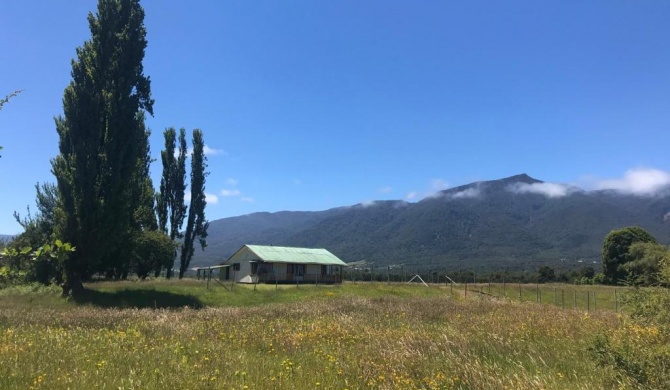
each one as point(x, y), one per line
point(102, 216)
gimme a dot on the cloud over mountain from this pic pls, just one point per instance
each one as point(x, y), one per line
point(550, 190)
point(641, 181)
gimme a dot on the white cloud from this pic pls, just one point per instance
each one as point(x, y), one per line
point(467, 193)
point(208, 151)
point(438, 185)
point(247, 199)
point(368, 203)
point(666, 216)
point(211, 152)
point(233, 192)
point(187, 196)
point(211, 198)
point(411, 195)
point(640, 181)
point(550, 190)
point(385, 189)
point(232, 182)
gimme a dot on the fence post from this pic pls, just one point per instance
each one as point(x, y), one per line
point(519, 291)
point(466, 289)
point(588, 300)
point(537, 293)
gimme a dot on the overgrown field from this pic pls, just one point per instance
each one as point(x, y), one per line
point(325, 337)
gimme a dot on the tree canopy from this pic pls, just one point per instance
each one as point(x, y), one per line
point(196, 225)
point(170, 204)
point(616, 251)
point(100, 168)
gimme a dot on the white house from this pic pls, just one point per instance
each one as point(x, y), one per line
point(278, 264)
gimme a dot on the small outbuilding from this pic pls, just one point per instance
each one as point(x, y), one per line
point(279, 264)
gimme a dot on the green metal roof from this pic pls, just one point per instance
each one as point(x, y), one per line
point(282, 254)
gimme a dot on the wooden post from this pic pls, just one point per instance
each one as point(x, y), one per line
point(537, 293)
point(466, 288)
point(519, 291)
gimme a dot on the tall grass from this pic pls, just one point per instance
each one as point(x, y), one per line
point(330, 337)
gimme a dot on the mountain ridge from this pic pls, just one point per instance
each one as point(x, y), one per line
point(517, 222)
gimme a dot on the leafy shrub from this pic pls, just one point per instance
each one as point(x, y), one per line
point(639, 349)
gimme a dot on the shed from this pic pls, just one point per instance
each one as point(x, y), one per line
point(280, 264)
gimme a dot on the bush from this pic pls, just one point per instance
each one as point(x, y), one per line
point(639, 350)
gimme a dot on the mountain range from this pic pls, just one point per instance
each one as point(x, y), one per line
point(515, 223)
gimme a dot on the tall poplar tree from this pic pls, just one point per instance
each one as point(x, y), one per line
point(196, 225)
point(102, 142)
point(171, 207)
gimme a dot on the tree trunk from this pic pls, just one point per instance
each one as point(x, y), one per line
point(72, 286)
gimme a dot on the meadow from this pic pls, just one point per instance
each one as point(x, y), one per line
point(180, 334)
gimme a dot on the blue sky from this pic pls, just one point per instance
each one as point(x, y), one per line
point(308, 105)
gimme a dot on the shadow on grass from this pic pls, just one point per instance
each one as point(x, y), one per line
point(137, 298)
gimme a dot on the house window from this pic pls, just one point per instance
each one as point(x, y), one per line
point(324, 270)
point(299, 269)
point(254, 268)
point(289, 268)
point(236, 266)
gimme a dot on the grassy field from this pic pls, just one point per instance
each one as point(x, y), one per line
point(179, 334)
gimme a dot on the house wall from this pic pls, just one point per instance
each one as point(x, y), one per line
point(244, 257)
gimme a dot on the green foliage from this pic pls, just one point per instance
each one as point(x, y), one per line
point(640, 348)
point(197, 225)
point(546, 274)
point(49, 260)
point(19, 265)
point(615, 251)
point(14, 265)
point(153, 250)
point(6, 99)
point(646, 260)
point(170, 205)
point(103, 143)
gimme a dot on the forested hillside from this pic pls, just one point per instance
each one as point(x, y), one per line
point(498, 224)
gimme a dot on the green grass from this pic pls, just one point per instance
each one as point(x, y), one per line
point(180, 334)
